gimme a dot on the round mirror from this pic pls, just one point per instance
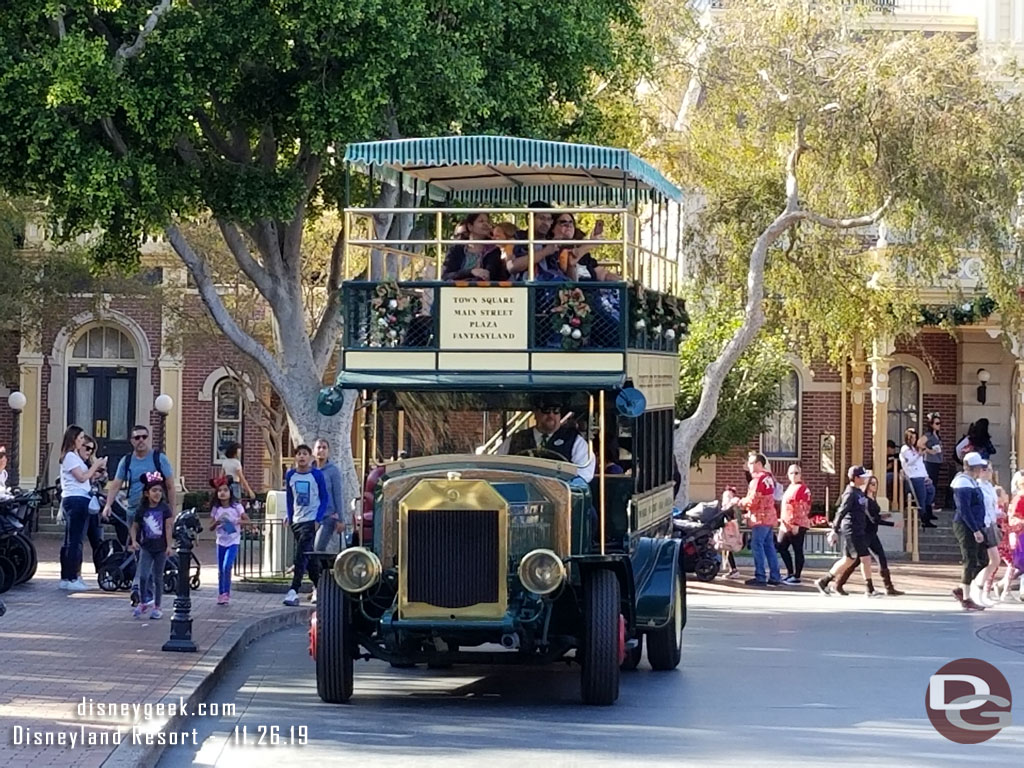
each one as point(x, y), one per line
point(630, 402)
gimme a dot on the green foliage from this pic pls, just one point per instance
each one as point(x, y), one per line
point(959, 314)
point(226, 103)
point(750, 390)
point(920, 123)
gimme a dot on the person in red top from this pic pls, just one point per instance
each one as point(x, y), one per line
point(761, 517)
point(794, 522)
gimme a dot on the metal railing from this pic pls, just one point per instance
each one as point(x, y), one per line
point(647, 252)
point(266, 550)
point(417, 323)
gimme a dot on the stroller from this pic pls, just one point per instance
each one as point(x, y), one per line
point(116, 564)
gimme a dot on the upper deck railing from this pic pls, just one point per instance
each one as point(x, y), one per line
point(634, 248)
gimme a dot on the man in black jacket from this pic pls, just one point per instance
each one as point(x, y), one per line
point(851, 525)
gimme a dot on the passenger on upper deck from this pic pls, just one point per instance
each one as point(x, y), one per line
point(519, 266)
point(549, 435)
point(575, 261)
point(475, 261)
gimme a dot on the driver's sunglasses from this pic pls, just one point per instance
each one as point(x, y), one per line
point(90, 448)
point(140, 437)
point(550, 410)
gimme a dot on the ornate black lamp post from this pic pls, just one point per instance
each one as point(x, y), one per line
point(186, 528)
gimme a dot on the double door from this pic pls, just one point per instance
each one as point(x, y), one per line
point(102, 402)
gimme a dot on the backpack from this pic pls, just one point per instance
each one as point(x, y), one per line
point(963, 447)
point(128, 471)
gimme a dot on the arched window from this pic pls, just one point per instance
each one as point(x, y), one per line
point(904, 399)
point(103, 343)
point(781, 436)
point(227, 416)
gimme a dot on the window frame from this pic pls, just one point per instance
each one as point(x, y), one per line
point(219, 460)
point(772, 419)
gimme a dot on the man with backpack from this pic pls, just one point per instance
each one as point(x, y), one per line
point(131, 474)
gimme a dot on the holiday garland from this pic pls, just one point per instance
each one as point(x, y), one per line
point(958, 314)
point(392, 312)
point(656, 315)
point(572, 318)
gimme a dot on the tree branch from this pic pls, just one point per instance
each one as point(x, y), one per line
point(114, 135)
point(309, 166)
point(217, 141)
point(266, 148)
point(126, 51)
point(850, 222)
point(792, 161)
point(252, 268)
point(327, 332)
point(227, 324)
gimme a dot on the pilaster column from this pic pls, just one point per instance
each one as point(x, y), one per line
point(172, 365)
point(30, 382)
point(881, 362)
point(858, 395)
point(1017, 411)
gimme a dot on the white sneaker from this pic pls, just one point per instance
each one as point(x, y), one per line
point(77, 586)
point(63, 584)
point(980, 597)
point(312, 598)
point(291, 598)
point(733, 575)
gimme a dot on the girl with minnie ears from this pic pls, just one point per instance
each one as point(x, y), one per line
point(227, 516)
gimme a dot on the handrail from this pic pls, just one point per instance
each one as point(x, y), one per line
point(493, 443)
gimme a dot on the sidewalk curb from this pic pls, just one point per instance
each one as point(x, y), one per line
point(197, 683)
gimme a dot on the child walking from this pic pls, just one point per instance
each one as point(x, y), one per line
point(227, 516)
point(151, 537)
point(306, 494)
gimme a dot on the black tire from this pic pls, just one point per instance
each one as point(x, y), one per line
point(706, 568)
point(599, 677)
point(19, 551)
point(35, 560)
point(7, 574)
point(334, 642)
point(109, 578)
point(170, 583)
point(633, 656)
point(665, 645)
point(194, 582)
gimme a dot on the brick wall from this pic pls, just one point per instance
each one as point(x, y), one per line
point(10, 342)
point(937, 349)
point(197, 458)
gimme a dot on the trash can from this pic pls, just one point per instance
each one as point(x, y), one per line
point(277, 536)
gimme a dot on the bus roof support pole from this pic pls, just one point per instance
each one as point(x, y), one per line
point(364, 466)
point(601, 460)
point(346, 235)
point(439, 252)
point(529, 239)
point(373, 434)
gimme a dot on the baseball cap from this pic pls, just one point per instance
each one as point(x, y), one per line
point(856, 471)
point(975, 459)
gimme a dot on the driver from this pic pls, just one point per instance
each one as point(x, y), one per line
point(549, 435)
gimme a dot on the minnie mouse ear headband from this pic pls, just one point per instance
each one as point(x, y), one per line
point(150, 479)
point(219, 482)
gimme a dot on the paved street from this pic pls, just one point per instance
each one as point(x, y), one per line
point(57, 648)
point(768, 678)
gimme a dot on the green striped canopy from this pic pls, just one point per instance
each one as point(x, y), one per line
point(511, 171)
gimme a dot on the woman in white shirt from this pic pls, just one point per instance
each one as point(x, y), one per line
point(76, 483)
point(912, 461)
point(232, 466)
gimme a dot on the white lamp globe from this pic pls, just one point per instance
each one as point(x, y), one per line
point(17, 401)
point(164, 404)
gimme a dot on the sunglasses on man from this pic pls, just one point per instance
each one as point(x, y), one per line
point(139, 437)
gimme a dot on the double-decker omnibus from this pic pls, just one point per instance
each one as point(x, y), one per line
point(537, 529)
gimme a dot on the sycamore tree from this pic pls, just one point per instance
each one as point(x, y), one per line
point(131, 117)
point(839, 168)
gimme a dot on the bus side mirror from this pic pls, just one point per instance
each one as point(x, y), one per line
point(630, 402)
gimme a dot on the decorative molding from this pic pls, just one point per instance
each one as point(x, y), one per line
point(216, 375)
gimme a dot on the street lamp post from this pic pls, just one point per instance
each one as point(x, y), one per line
point(163, 405)
point(186, 528)
point(17, 402)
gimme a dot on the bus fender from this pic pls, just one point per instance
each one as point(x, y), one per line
point(655, 562)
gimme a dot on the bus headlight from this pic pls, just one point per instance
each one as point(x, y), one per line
point(356, 569)
point(541, 571)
